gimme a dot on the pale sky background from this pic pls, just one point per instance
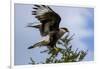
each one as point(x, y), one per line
point(78, 20)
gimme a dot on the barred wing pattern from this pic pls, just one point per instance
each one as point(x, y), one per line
point(48, 18)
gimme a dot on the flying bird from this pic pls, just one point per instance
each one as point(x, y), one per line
point(54, 37)
point(49, 26)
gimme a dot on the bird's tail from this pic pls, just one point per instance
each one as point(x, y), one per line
point(35, 45)
point(39, 44)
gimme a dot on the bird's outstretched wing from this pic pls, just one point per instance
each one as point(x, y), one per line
point(48, 18)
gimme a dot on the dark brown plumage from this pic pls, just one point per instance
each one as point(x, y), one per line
point(48, 18)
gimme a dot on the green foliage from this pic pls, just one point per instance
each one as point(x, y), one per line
point(64, 48)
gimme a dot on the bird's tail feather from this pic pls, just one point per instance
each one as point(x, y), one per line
point(35, 45)
point(30, 47)
point(39, 44)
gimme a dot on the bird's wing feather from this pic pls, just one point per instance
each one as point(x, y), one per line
point(46, 15)
point(40, 27)
point(34, 26)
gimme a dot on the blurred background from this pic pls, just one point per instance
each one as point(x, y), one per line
point(79, 20)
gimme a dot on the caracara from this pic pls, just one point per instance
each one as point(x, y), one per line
point(48, 27)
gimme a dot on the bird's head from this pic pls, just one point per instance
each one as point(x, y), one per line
point(64, 30)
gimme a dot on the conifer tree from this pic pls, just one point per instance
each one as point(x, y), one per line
point(64, 48)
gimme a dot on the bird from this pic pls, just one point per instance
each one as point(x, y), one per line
point(54, 37)
point(48, 19)
point(48, 26)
